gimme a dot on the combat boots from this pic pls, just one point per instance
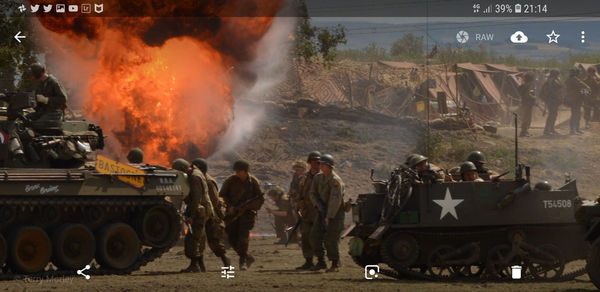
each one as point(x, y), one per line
point(320, 265)
point(243, 266)
point(335, 267)
point(307, 265)
point(226, 261)
point(200, 261)
point(249, 260)
point(193, 267)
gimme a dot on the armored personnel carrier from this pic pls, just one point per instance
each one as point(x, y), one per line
point(475, 230)
point(62, 207)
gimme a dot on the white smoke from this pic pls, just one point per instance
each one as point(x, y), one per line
point(270, 66)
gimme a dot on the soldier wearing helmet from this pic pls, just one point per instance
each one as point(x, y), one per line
point(198, 210)
point(298, 168)
point(426, 171)
point(551, 94)
point(590, 103)
point(327, 194)
point(528, 101)
point(51, 98)
point(306, 210)
point(468, 172)
point(243, 198)
point(215, 228)
point(576, 92)
point(478, 158)
point(135, 156)
point(284, 216)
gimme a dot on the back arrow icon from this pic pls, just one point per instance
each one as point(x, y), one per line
point(80, 272)
point(18, 37)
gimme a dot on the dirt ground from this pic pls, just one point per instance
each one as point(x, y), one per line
point(273, 270)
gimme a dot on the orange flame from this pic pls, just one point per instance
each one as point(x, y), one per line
point(164, 84)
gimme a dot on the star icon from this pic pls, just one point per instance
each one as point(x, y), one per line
point(448, 205)
point(553, 37)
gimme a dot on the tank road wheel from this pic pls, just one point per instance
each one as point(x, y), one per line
point(400, 251)
point(549, 265)
point(499, 261)
point(74, 246)
point(118, 246)
point(159, 226)
point(471, 271)
point(593, 263)
point(3, 250)
point(30, 249)
point(7, 214)
point(436, 264)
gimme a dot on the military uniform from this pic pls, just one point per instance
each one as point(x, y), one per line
point(575, 96)
point(551, 91)
point(282, 222)
point(293, 193)
point(199, 209)
point(590, 102)
point(527, 104)
point(330, 190)
point(215, 228)
point(308, 212)
point(50, 114)
point(236, 192)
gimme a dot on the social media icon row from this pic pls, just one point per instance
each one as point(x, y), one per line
point(72, 8)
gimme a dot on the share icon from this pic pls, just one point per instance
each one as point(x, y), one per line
point(80, 272)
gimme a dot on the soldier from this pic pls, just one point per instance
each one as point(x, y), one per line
point(527, 103)
point(243, 198)
point(576, 92)
point(284, 217)
point(590, 103)
point(478, 158)
point(307, 211)
point(299, 167)
point(327, 194)
point(551, 94)
point(135, 156)
point(51, 98)
point(198, 210)
point(420, 164)
point(215, 228)
point(468, 172)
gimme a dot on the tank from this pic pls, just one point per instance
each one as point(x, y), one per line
point(64, 208)
point(478, 230)
point(588, 215)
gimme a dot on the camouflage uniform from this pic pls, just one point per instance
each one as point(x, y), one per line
point(236, 192)
point(330, 190)
point(215, 228)
point(51, 114)
point(308, 212)
point(199, 209)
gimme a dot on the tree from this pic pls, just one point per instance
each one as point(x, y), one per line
point(316, 43)
point(13, 55)
point(409, 46)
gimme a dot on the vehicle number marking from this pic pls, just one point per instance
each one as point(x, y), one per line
point(548, 204)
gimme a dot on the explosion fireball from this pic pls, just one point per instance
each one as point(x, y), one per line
point(163, 83)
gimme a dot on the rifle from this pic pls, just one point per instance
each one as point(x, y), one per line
point(240, 210)
point(322, 211)
point(291, 230)
point(496, 179)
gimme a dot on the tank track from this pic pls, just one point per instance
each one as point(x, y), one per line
point(416, 275)
point(147, 255)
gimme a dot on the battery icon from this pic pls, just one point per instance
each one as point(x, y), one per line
point(517, 8)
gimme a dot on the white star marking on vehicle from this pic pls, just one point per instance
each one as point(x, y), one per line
point(448, 205)
point(553, 37)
